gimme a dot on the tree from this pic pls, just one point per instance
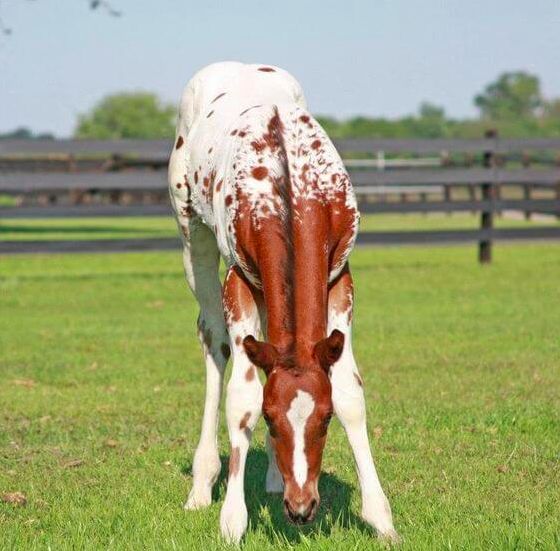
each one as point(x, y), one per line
point(432, 122)
point(23, 133)
point(128, 115)
point(513, 95)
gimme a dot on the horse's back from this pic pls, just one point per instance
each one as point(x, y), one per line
point(245, 142)
point(213, 103)
point(229, 87)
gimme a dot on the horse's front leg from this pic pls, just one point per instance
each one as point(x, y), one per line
point(349, 405)
point(243, 401)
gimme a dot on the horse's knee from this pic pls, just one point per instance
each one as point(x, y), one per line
point(243, 404)
point(348, 397)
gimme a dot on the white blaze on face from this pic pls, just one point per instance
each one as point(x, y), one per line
point(301, 408)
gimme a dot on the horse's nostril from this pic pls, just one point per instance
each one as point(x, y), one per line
point(309, 513)
point(313, 508)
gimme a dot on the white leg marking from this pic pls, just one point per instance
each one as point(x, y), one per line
point(243, 409)
point(244, 401)
point(301, 408)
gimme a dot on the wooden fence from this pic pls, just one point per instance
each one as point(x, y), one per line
point(66, 178)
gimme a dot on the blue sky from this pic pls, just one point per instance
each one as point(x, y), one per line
point(378, 57)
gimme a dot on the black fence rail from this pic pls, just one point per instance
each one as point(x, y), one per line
point(88, 178)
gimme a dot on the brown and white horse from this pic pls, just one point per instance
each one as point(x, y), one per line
point(254, 179)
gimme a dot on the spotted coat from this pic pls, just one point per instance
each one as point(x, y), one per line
point(247, 149)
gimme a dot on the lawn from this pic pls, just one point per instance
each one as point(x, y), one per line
point(102, 390)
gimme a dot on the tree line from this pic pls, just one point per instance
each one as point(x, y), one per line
point(513, 105)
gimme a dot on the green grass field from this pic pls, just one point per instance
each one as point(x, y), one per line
point(102, 390)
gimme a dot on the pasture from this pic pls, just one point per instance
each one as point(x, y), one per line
point(102, 390)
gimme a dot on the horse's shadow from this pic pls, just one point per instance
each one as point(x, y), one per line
point(334, 510)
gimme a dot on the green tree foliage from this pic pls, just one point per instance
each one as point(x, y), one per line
point(512, 95)
point(128, 115)
point(430, 122)
point(512, 104)
point(23, 133)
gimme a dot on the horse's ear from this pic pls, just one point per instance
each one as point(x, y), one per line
point(329, 350)
point(262, 354)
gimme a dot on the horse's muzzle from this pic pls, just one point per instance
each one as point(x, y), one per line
point(301, 514)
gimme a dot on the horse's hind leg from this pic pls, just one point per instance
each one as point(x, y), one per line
point(201, 260)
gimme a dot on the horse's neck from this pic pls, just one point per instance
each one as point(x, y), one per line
point(295, 286)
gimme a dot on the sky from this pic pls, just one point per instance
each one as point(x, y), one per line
point(369, 57)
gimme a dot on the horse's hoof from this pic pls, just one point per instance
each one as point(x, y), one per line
point(198, 500)
point(233, 522)
point(390, 538)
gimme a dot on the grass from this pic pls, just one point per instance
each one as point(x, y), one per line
point(102, 391)
point(164, 226)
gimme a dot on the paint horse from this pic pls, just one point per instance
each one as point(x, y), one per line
point(254, 179)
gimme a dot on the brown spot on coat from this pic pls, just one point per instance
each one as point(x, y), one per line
point(250, 374)
point(234, 462)
point(267, 70)
point(178, 185)
point(258, 146)
point(229, 200)
point(195, 177)
point(226, 352)
point(238, 340)
point(242, 134)
point(316, 144)
point(244, 421)
point(233, 133)
point(180, 142)
point(259, 172)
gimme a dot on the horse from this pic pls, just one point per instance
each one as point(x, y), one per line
point(255, 180)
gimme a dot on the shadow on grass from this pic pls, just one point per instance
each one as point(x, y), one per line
point(334, 510)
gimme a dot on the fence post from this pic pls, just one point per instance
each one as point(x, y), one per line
point(445, 161)
point(487, 217)
point(558, 187)
point(526, 162)
point(471, 190)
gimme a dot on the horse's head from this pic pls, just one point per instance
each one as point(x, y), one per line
point(297, 408)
